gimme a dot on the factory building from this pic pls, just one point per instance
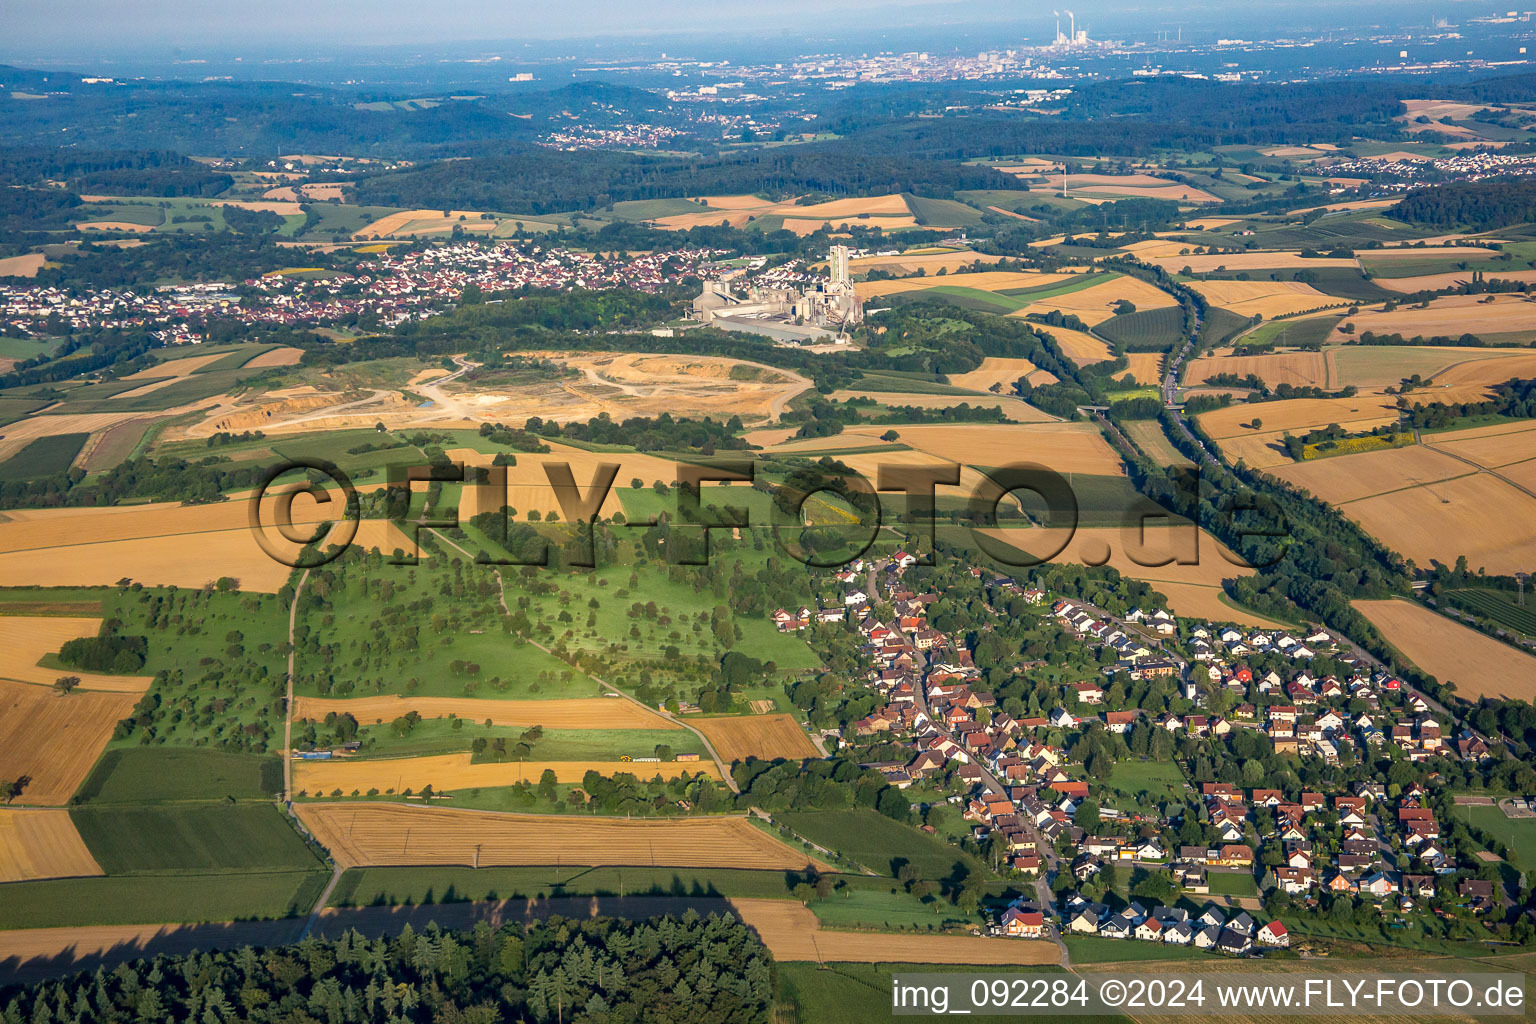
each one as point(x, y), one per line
point(822, 312)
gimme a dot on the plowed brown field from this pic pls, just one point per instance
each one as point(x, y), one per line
point(371, 834)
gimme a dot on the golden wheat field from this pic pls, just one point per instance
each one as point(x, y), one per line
point(576, 713)
point(1344, 478)
point(765, 737)
point(41, 844)
point(380, 834)
point(1064, 447)
point(1082, 348)
point(986, 281)
point(25, 639)
point(1095, 304)
point(54, 740)
point(445, 772)
point(1146, 367)
point(275, 357)
point(1450, 316)
point(1268, 299)
point(176, 367)
point(1479, 665)
point(791, 931)
point(1002, 371)
point(1299, 369)
point(1479, 515)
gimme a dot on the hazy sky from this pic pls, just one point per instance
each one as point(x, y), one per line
point(40, 29)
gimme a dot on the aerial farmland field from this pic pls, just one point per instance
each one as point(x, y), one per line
point(380, 834)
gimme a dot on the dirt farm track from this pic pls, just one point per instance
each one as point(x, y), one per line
point(381, 834)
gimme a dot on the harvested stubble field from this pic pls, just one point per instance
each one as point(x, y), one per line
point(1449, 316)
point(1299, 369)
point(1146, 367)
point(986, 281)
point(1436, 282)
point(1501, 444)
point(1126, 549)
point(276, 357)
point(1013, 407)
point(1261, 448)
point(762, 736)
point(791, 931)
point(1082, 348)
point(809, 226)
point(176, 367)
point(1347, 478)
point(1479, 665)
point(422, 222)
point(38, 843)
point(1268, 299)
point(1205, 264)
point(1375, 366)
point(929, 262)
point(1002, 371)
point(25, 639)
point(444, 772)
point(578, 713)
point(1149, 437)
point(54, 740)
point(1479, 515)
point(1064, 447)
point(528, 485)
point(160, 561)
point(1095, 304)
point(738, 211)
point(23, 432)
point(377, 835)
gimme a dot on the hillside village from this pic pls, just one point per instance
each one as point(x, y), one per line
point(1037, 789)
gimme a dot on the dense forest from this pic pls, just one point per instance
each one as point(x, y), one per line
point(688, 970)
point(549, 181)
point(129, 172)
point(1471, 205)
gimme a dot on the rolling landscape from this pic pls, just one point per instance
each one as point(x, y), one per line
point(659, 528)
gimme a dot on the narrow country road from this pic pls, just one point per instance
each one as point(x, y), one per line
point(293, 615)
